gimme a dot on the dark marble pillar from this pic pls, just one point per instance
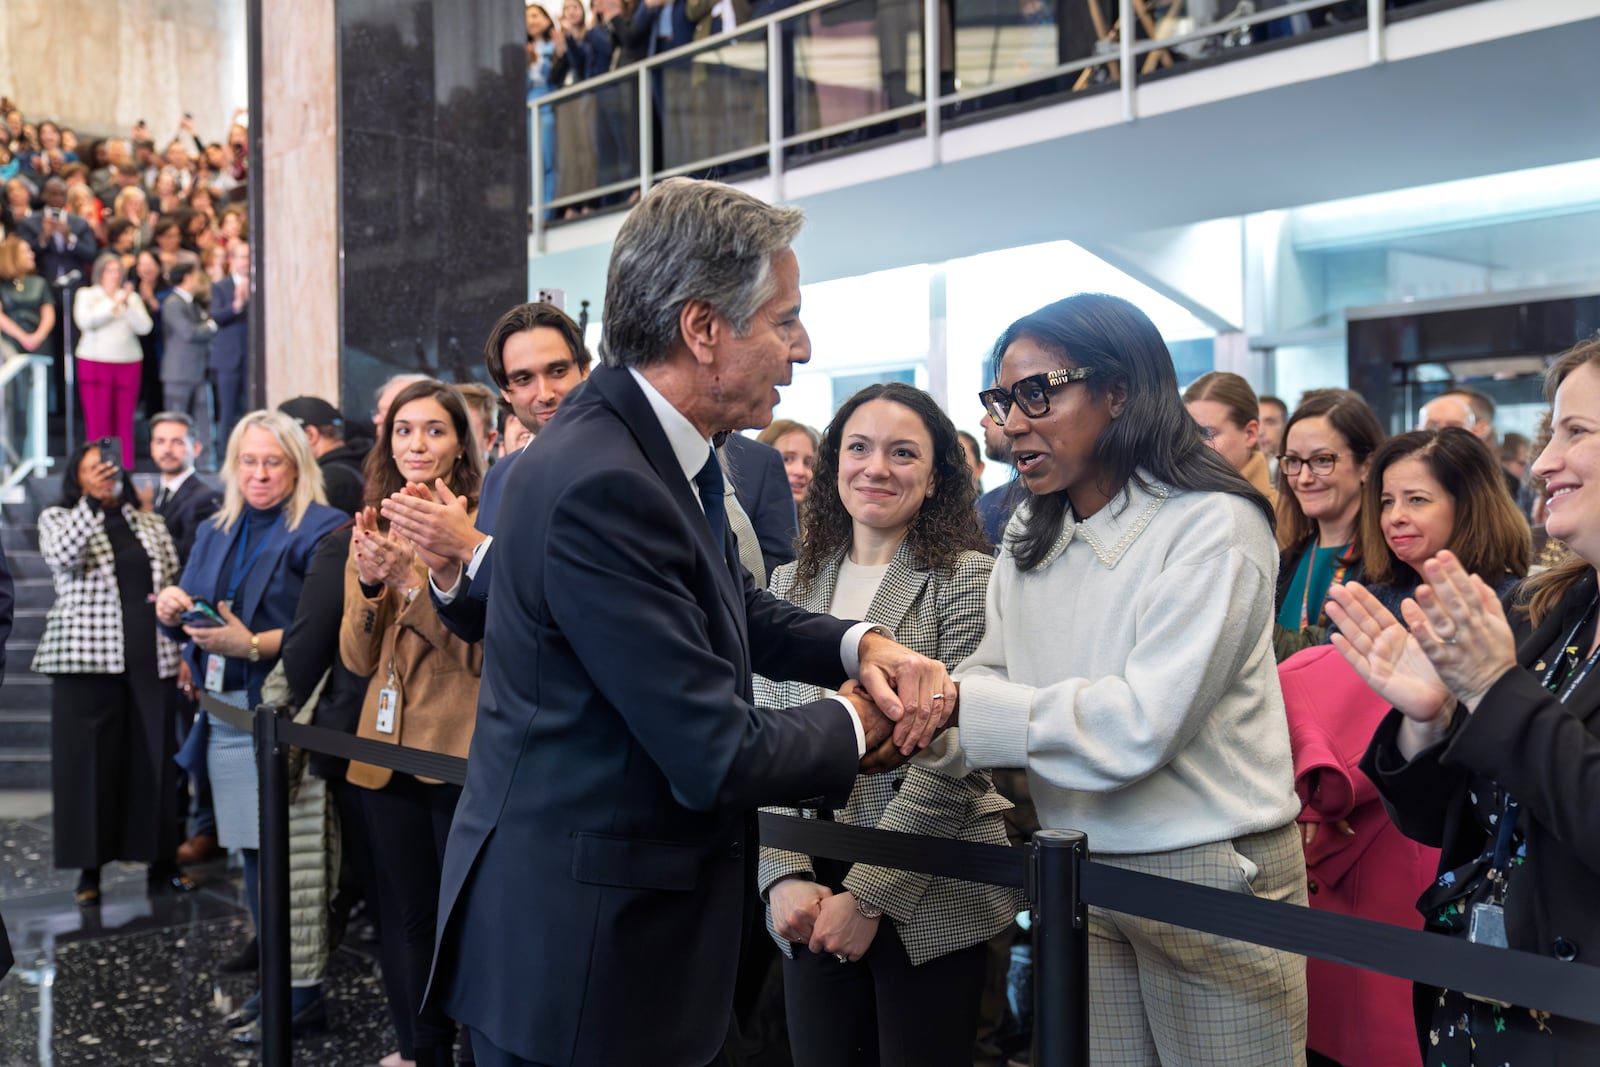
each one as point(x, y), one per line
point(433, 185)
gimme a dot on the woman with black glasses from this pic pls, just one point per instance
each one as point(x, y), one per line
point(1127, 664)
point(1327, 452)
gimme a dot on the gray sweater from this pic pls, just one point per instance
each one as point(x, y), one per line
point(1132, 675)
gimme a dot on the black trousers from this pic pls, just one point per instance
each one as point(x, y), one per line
point(407, 825)
point(923, 1016)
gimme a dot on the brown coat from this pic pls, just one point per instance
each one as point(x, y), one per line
point(435, 672)
point(1259, 474)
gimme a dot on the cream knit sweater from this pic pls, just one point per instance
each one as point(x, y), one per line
point(1132, 675)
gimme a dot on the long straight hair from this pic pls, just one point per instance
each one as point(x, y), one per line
point(1154, 434)
point(382, 473)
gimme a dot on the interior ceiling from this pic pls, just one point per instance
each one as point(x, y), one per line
point(1505, 105)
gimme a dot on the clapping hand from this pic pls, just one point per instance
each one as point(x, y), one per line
point(1463, 629)
point(438, 526)
point(1392, 662)
point(380, 559)
point(913, 690)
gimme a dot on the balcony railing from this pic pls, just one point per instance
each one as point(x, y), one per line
point(825, 76)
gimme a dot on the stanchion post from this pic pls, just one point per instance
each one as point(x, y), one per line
point(272, 765)
point(1060, 950)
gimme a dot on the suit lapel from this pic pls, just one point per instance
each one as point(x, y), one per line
point(900, 588)
point(624, 396)
point(262, 570)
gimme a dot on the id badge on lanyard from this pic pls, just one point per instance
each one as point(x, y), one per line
point(216, 668)
point(388, 705)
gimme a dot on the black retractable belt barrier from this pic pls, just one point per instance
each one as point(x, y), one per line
point(1056, 872)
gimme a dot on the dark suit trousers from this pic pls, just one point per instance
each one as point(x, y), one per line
point(232, 402)
point(486, 1053)
point(194, 399)
point(922, 1016)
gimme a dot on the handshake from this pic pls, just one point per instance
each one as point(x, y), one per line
point(902, 699)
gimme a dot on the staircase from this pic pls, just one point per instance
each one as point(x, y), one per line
point(25, 696)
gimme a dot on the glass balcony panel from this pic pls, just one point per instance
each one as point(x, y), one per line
point(593, 138)
point(849, 63)
point(711, 108)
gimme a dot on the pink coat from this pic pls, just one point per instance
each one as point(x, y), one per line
point(1375, 872)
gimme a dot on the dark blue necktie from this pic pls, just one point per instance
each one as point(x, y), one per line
point(709, 482)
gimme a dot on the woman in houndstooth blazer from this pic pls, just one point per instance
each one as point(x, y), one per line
point(112, 732)
point(891, 537)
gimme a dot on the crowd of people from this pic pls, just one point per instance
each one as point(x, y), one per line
point(134, 256)
point(1149, 619)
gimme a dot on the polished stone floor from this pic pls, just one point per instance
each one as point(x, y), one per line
point(136, 981)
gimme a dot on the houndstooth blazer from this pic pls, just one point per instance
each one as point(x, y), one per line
point(939, 614)
point(83, 632)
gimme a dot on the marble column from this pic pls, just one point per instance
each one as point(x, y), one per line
point(433, 185)
point(397, 189)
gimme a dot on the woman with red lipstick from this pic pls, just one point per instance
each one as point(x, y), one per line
point(878, 959)
point(1327, 450)
point(1127, 663)
point(1490, 751)
point(423, 693)
point(1430, 490)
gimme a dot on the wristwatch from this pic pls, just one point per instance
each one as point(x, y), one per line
point(255, 648)
point(866, 911)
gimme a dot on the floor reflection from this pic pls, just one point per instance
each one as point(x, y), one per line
point(136, 981)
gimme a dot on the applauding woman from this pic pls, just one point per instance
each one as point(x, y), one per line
point(892, 538)
point(423, 693)
point(1127, 664)
point(1491, 749)
point(112, 318)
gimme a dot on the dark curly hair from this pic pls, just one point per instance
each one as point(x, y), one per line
point(945, 526)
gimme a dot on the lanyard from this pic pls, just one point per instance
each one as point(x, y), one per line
point(242, 563)
point(1551, 681)
point(1311, 570)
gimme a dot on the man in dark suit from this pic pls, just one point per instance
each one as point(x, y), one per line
point(230, 307)
point(762, 487)
point(61, 242)
point(599, 870)
point(536, 356)
point(181, 498)
point(187, 332)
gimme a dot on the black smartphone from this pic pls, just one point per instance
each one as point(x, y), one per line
point(110, 451)
point(202, 616)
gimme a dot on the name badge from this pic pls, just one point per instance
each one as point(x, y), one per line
point(215, 667)
point(388, 707)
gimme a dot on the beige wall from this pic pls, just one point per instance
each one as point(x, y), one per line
point(99, 66)
point(299, 83)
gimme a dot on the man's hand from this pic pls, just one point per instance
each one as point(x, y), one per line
point(796, 902)
point(874, 724)
point(913, 690)
point(886, 757)
point(437, 523)
point(842, 930)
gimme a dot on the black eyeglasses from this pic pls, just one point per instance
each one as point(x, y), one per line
point(1031, 394)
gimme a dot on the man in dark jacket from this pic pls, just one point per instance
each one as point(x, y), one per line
point(341, 464)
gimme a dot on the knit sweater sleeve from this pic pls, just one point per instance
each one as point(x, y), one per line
point(1199, 619)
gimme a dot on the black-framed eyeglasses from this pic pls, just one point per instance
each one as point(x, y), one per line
point(1031, 394)
point(1321, 464)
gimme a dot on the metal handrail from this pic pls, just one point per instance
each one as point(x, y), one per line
point(29, 454)
point(1127, 51)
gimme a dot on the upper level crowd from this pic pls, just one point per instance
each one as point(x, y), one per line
point(1250, 644)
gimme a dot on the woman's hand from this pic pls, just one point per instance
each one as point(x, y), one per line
point(381, 560)
point(796, 902)
point(232, 639)
point(1461, 626)
point(842, 930)
point(1387, 658)
point(172, 602)
point(104, 484)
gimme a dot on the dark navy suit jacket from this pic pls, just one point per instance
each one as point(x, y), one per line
point(762, 486)
point(464, 615)
point(193, 503)
point(596, 878)
point(270, 592)
point(228, 348)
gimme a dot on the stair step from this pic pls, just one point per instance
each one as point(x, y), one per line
point(24, 730)
point(24, 769)
point(23, 690)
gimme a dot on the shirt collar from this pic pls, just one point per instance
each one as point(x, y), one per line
point(689, 448)
point(1112, 530)
point(175, 483)
point(188, 297)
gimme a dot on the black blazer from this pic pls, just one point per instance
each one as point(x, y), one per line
point(193, 503)
point(1546, 754)
point(53, 263)
point(762, 486)
point(595, 882)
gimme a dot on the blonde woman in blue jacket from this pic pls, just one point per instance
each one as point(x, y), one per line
point(876, 956)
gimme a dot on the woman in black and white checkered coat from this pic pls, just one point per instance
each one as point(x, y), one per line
point(876, 956)
point(112, 731)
